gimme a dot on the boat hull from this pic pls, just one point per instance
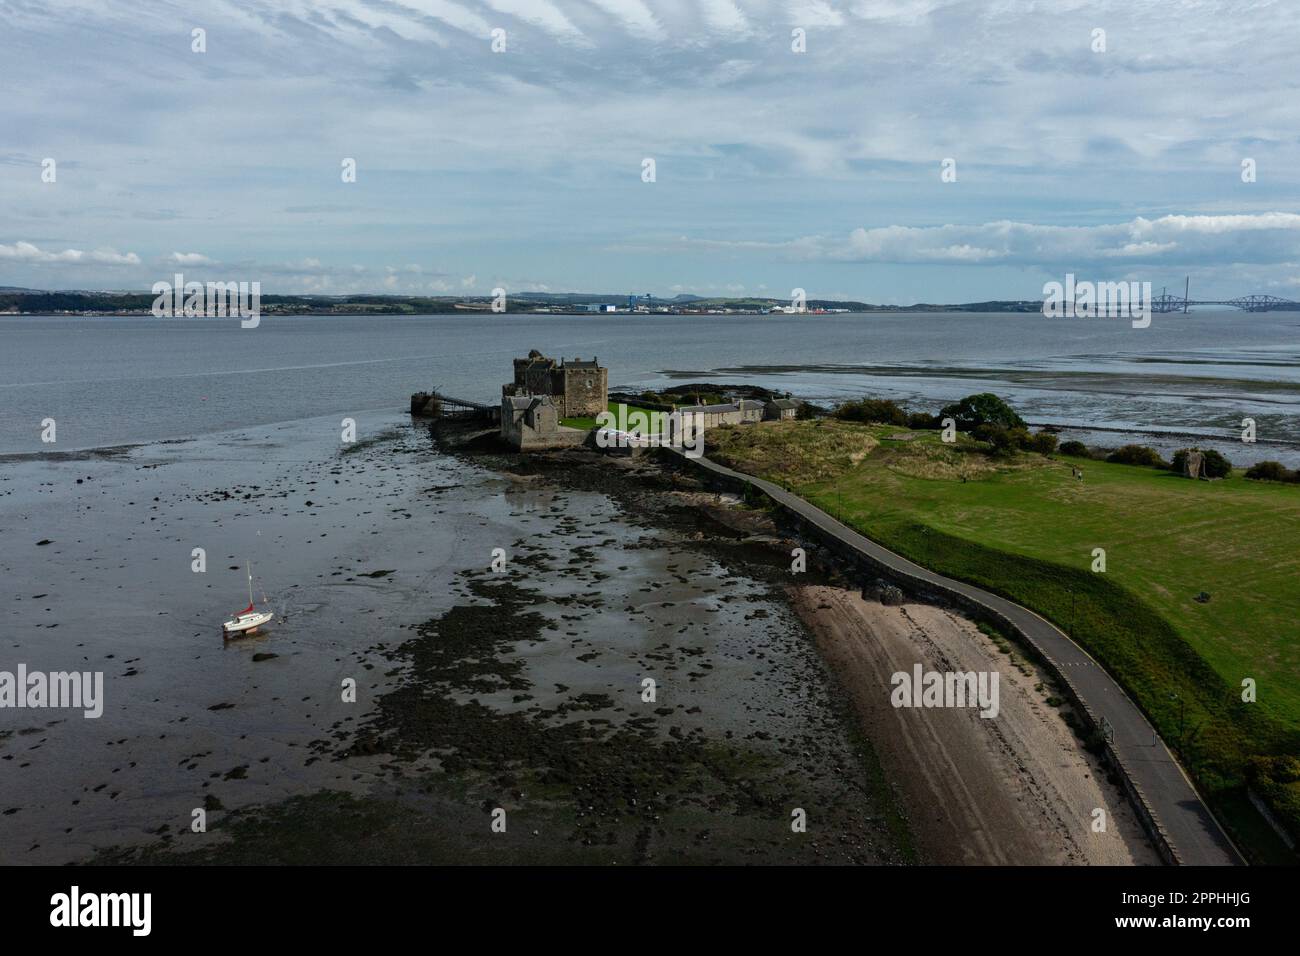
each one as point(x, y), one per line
point(244, 623)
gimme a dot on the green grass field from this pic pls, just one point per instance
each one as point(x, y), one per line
point(1026, 528)
point(613, 407)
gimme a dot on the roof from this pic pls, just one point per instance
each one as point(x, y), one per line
point(746, 405)
point(784, 403)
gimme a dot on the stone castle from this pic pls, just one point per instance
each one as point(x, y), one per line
point(545, 391)
point(577, 389)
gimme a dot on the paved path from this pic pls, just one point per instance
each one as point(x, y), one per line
point(1191, 831)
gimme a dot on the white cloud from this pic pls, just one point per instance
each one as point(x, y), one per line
point(814, 13)
point(1272, 237)
point(27, 252)
point(635, 17)
point(725, 17)
point(453, 14)
point(540, 13)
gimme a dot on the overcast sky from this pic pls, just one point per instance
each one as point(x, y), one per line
point(773, 169)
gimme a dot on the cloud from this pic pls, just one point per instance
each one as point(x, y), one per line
point(635, 17)
point(543, 14)
point(725, 17)
point(27, 252)
point(189, 259)
point(1272, 237)
point(453, 14)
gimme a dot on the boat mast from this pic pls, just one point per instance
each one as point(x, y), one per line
point(250, 582)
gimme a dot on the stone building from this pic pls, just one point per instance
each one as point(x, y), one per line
point(578, 389)
point(709, 416)
point(780, 409)
point(532, 423)
point(743, 412)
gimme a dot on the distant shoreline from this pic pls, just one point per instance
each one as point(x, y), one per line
point(39, 302)
point(127, 304)
point(354, 313)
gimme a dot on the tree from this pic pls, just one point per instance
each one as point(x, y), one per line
point(982, 409)
point(872, 410)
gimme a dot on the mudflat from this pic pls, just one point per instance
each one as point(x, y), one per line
point(475, 690)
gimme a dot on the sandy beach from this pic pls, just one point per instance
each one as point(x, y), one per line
point(1016, 789)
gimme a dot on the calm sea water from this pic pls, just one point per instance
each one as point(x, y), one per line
point(110, 381)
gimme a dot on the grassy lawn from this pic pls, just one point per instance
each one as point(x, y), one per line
point(586, 424)
point(1026, 528)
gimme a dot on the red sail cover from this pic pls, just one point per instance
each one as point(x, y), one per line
point(247, 610)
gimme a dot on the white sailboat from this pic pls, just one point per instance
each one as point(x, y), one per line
point(249, 619)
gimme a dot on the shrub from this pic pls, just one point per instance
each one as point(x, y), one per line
point(923, 420)
point(983, 409)
point(1270, 471)
point(1214, 466)
point(1137, 455)
point(1076, 448)
point(880, 410)
point(1044, 443)
point(1003, 440)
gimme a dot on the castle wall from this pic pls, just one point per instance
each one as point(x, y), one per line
point(535, 425)
point(585, 391)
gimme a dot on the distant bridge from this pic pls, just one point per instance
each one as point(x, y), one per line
point(1166, 302)
point(1247, 303)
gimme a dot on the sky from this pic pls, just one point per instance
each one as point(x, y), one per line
point(1113, 155)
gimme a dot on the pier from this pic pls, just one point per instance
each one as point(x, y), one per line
point(437, 405)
